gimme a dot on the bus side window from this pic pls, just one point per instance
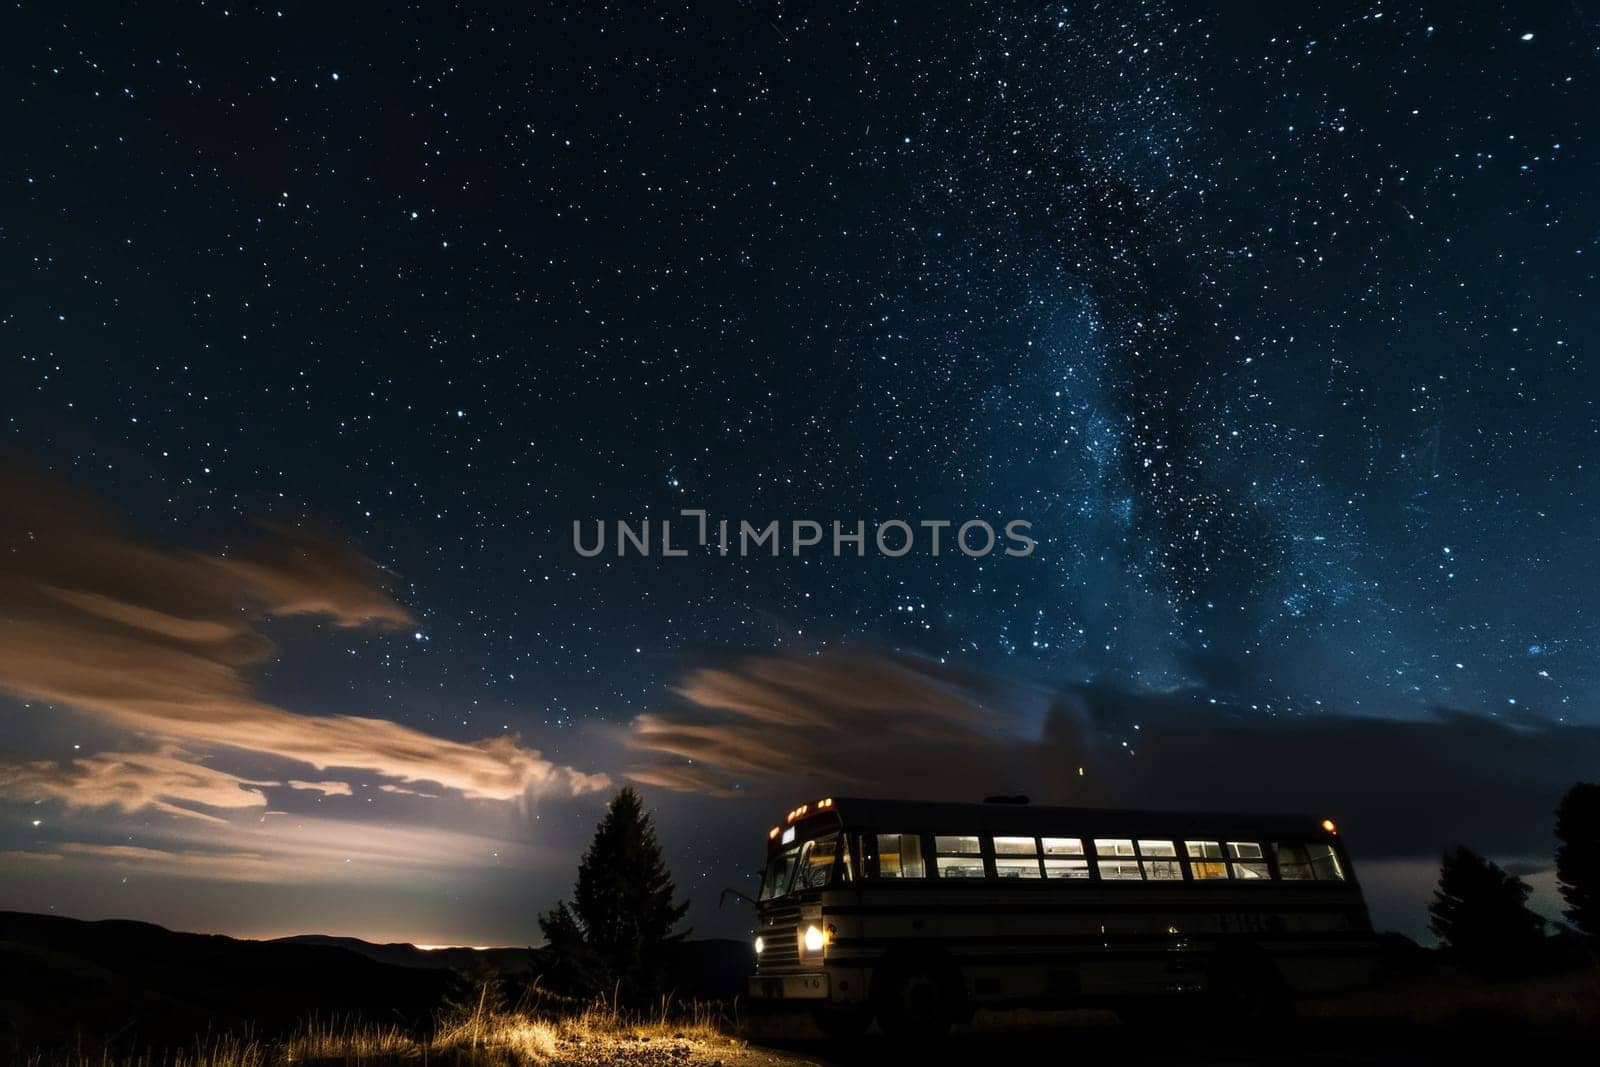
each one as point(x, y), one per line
point(1110, 852)
point(1309, 862)
point(1164, 868)
point(1016, 857)
point(1205, 860)
point(1248, 860)
point(958, 856)
point(1064, 858)
point(900, 856)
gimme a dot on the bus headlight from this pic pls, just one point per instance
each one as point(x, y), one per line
point(761, 946)
point(814, 939)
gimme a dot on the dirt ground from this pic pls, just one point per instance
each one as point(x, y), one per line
point(1004, 1038)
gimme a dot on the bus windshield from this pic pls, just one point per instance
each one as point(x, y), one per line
point(806, 866)
point(780, 869)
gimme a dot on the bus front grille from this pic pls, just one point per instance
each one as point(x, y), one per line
point(781, 953)
point(780, 944)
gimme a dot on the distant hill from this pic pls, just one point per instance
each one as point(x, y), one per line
point(711, 969)
point(136, 985)
point(511, 962)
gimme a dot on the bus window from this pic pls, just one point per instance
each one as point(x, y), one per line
point(1058, 861)
point(1113, 867)
point(1256, 867)
point(958, 856)
point(1325, 863)
point(1016, 857)
point(900, 856)
point(1160, 869)
point(779, 872)
point(816, 862)
point(1205, 859)
point(1066, 868)
point(1307, 862)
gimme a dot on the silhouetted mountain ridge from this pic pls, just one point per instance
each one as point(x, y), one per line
point(511, 962)
point(135, 985)
point(138, 984)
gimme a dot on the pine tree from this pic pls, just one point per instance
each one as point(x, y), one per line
point(615, 933)
point(1578, 857)
point(1480, 913)
point(567, 961)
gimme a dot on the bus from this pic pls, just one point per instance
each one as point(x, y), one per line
point(915, 914)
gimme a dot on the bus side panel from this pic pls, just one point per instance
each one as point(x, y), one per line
point(1065, 941)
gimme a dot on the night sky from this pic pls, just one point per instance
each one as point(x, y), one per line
point(321, 326)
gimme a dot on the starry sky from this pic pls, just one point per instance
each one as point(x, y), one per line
point(321, 326)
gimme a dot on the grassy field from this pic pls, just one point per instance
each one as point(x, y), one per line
point(597, 1035)
point(1406, 1020)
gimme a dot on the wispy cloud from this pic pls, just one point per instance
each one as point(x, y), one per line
point(327, 789)
point(158, 642)
point(299, 851)
point(167, 780)
point(844, 718)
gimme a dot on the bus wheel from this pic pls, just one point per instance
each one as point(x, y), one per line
point(916, 999)
point(842, 1023)
point(1246, 985)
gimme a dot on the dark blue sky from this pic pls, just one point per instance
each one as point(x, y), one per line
point(1276, 324)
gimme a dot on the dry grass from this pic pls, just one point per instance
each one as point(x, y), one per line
point(544, 1029)
point(219, 1052)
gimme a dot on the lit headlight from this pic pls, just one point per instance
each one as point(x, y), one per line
point(761, 946)
point(814, 939)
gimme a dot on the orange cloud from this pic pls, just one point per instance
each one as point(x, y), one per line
point(167, 781)
point(311, 851)
point(327, 789)
point(156, 641)
point(844, 719)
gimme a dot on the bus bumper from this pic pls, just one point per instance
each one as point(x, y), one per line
point(789, 986)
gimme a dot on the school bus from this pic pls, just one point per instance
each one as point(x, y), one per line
point(914, 914)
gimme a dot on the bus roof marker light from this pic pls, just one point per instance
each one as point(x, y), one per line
point(1328, 825)
point(774, 832)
